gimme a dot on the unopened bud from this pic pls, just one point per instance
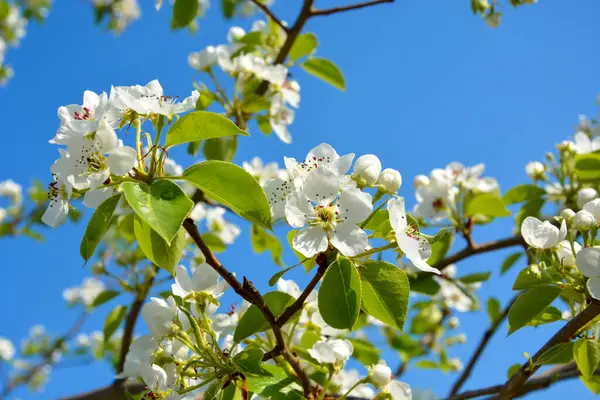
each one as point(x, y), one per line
point(380, 374)
point(367, 169)
point(535, 170)
point(585, 195)
point(389, 180)
point(583, 220)
point(453, 322)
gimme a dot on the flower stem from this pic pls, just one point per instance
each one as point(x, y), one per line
point(326, 385)
point(342, 397)
point(138, 142)
point(375, 250)
point(159, 127)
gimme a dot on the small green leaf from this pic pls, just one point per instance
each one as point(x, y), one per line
point(474, 278)
point(531, 208)
point(325, 70)
point(440, 248)
point(262, 241)
point(232, 186)
point(533, 275)
point(162, 205)
point(201, 125)
point(427, 364)
point(365, 351)
point(250, 361)
point(112, 322)
point(158, 250)
point(522, 193)
point(220, 149)
point(424, 283)
point(228, 7)
point(340, 295)
point(278, 386)
point(587, 166)
point(97, 226)
point(488, 204)
point(529, 304)
point(510, 261)
point(561, 353)
point(104, 297)
point(593, 383)
point(184, 12)
point(214, 242)
point(279, 275)
point(493, 309)
point(304, 45)
point(513, 370)
point(587, 356)
point(253, 320)
point(264, 124)
point(385, 290)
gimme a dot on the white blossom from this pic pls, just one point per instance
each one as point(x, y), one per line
point(7, 349)
point(588, 263)
point(332, 351)
point(264, 172)
point(150, 99)
point(584, 145)
point(380, 374)
point(224, 230)
point(367, 169)
point(583, 220)
point(89, 290)
point(204, 279)
point(586, 195)
point(542, 235)
point(160, 315)
point(565, 252)
point(535, 170)
point(389, 180)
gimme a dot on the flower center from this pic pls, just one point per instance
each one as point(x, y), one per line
point(438, 204)
point(85, 115)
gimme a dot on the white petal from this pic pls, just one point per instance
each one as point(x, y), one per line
point(541, 235)
point(56, 213)
point(411, 247)
point(399, 390)
point(562, 234)
point(183, 283)
point(355, 205)
point(121, 160)
point(94, 198)
point(298, 209)
point(349, 239)
point(310, 241)
point(588, 261)
point(322, 186)
point(277, 191)
point(593, 286)
point(324, 153)
point(155, 88)
point(205, 277)
point(397, 214)
point(342, 164)
point(282, 131)
point(106, 138)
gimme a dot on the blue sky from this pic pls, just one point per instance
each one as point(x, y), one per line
point(427, 83)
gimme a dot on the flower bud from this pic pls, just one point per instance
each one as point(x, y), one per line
point(455, 364)
point(380, 374)
point(583, 220)
point(453, 322)
point(390, 180)
point(593, 207)
point(461, 338)
point(535, 170)
point(367, 169)
point(98, 268)
point(420, 181)
point(566, 145)
point(567, 214)
point(585, 195)
point(235, 33)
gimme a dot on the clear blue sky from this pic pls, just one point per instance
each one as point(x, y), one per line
point(428, 83)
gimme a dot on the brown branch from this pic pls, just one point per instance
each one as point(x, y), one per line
point(487, 336)
point(248, 292)
point(46, 357)
point(358, 6)
point(480, 249)
point(270, 14)
point(132, 317)
point(111, 392)
point(564, 335)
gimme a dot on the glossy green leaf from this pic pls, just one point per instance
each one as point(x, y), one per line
point(304, 45)
point(201, 125)
point(220, 149)
point(548, 315)
point(488, 204)
point(97, 226)
point(253, 320)
point(340, 294)
point(531, 208)
point(587, 356)
point(587, 166)
point(593, 383)
point(529, 304)
point(113, 321)
point(262, 240)
point(162, 205)
point(250, 361)
point(440, 248)
point(385, 291)
point(510, 261)
point(533, 275)
point(474, 278)
point(561, 353)
point(513, 370)
point(494, 309)
point(232, 186)
point(184, 12)
point(522, 193)
point(325, 70)
point(104, 297)
point(278, 386)
point(423, 283)
point(157, 249)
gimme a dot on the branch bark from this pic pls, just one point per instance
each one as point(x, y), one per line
point(358, 6)
point(270, 14)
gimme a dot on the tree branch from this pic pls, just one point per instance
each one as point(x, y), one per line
point(565, 334)
point(270, 14)
point(112, 392)
point(358, 6)
point(487, 336)
point(248, 292)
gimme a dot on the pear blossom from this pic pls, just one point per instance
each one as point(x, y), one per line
point(593, 207)
point(583, 220)
point(150, 99)
point(399, 390)
point(568, 214)
point(455, 298)
point(11, 189)
point(389, 180)
point(59, 193)
point(198, 213)
point(155, 377)
point(566, 253)
point(224, 230)
point(588, 263)
point(320, 156)
point(160, 315)
point(380, 374)
point(535, 170)
point(204, 279)
point(420, 181)
point(205, 58)
point(290, 91)
point(141, 353)
point(7, 349)
point(586, 195)
point(584, 145)
point(345, 379)
point(263, 172)
point(436, 198)
point(331, 217)
point(542, 235)
point(280, 117)
point(416, 248)
point(332, 351)
point(89, 290)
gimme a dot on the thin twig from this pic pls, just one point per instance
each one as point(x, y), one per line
point(268, 11)
point(336, 10)
point(487, 336)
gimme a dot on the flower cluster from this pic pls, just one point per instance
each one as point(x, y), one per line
point(13, 192)
point(12, 30)
point(85, 294)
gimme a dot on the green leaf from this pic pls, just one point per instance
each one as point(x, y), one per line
point(385, 292)
point(162, 205)
point(587, 356)
point(340, 295)
point(488, 204)
point(522, 193)
point(201, 125)
point(97, 226)
point(533, 275)
point(365, 351)
point(474, 278)
point(158, 250)
point(250, 361)
point(561, 353)
point(228, 7)
point(214, 242)
point(550, 314)
point(220, 149)
point(184, 12)
point(513, 370)
point(376, 219)
point(529, 304)
point(593, 383)
point(205, 99)
point(427, 364)
point(105, 297)
point(232, 186)
point(253, 320)
point(112, 322)
point(325, 70)
point(264, 124)
point(304, 45)
point(494, 309)
point(531, 208)
point(278, 386)
point(262, 241)
point(440, 248)
point(279, 275)
point(587, 166)
point(510, 261)
point(423, 283)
